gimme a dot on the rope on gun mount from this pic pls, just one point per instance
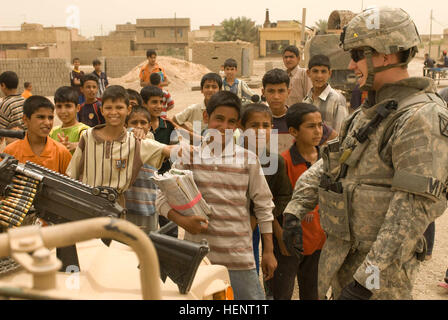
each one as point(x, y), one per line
point(13, 210)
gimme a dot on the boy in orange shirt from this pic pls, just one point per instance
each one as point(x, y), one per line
point(38, 147)
point(150, 68)
point(27, 92)
point(305, 125)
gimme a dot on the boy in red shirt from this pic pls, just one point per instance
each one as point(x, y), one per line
point(304, 123)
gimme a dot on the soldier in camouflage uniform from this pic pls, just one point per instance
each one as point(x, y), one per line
point(383, 181)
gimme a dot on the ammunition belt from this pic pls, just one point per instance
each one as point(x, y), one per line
point(8, 265)
point(14, 208)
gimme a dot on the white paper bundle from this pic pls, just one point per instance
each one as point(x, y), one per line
point(181, 192)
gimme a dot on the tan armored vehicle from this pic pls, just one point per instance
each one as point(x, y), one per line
point(134, 266)
point(328, 44)
point(128, 269)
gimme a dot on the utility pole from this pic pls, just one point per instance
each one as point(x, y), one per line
point(303, 31)
point(430, 34)
point(175, 27)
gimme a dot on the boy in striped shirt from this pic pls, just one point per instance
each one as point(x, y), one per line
point(228, 177)
point(108, 155)
point(141, 196)
point(167, 102)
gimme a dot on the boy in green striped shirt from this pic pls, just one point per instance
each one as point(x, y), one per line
point(67, 107)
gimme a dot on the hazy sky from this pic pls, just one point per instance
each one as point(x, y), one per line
point(97, 15)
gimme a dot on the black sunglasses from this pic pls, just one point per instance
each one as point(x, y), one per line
point(357, 54)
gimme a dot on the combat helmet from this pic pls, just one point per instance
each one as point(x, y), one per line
point(384, 30)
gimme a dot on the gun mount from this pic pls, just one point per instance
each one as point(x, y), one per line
point(59, 199)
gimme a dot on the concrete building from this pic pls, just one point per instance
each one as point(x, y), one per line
point(276, 36)
point(36, 41)
point(162, 34)
point(205, 33)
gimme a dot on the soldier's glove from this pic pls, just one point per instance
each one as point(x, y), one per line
point(355, 291)
point(292, 235)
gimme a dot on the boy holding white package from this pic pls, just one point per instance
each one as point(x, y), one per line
point(227, 181)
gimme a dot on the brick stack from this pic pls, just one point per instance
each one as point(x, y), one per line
point(45, 74)
point(117, 67)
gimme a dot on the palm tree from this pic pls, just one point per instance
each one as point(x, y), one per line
point(321, 26)
point(241, 28)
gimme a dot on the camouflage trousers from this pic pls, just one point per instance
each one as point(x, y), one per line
point(339, 262)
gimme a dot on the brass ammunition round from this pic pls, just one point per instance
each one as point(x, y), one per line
point(21, 202)
point(10, 220)
point(24, 183)
point(13, 211)
point(21, 197)
point(3, 223)
point(22, 192)
point(27, 179)
point(24, 188)
point(17, 206)
point(12, 216)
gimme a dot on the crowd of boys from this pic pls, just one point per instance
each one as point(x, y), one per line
point(117, 137)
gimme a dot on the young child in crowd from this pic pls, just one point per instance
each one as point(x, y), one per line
point(90, 111)
point(38, 115)
point(150, 68)
point(141, 196)
point(11, 105)
point(168, 102)
point(38, 147)
point(102, 78)
point(258, 119)
point(227, 181)
point(135, 99)
point(115, 156)
point(331, 104)
point(275, 90)
point(305, 126)
point(27, 92)
point(211, 83)
point(67, 107)
point(75, 79)
point(232, 84)
point(162, 130)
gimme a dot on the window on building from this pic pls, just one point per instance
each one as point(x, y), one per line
point(150, 33)
point(176, 33)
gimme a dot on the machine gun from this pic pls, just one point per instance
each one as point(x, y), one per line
point(58, 199)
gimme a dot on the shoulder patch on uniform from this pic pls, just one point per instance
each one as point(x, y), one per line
point(443, 122)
